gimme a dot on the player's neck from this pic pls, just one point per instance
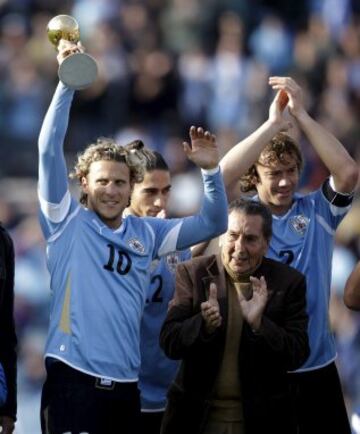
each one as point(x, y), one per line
point(130, 211)
point(278, 210)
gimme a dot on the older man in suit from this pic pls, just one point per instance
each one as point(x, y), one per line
point(238, 321)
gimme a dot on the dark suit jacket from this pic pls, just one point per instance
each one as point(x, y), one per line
point(7, 327)
point(280, 345)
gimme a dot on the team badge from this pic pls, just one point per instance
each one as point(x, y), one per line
point(136, 245)
point(172, 260)
point(299, 224)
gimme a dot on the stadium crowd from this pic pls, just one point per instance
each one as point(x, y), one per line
point(163, 66)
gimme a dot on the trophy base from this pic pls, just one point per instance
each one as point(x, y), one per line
point(78, 71)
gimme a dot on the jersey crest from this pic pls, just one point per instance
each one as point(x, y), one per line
point(299, 224)
point(172, 260)
point(136, 245)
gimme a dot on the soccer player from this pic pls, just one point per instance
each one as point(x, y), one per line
point(100, 265)
point(303, 236)
point(150, 198)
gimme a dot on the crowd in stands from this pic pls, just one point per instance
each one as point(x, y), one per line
point(163, 66)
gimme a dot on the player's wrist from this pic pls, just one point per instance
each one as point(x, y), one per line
point(210, 170)
point(301, 115)
point(274, 125)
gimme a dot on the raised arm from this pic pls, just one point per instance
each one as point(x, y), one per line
point(352, 289)
point(53, 183)
point(212, 218)
point(332, 153)
point(245, 153)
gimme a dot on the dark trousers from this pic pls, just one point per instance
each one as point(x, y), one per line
point(150, 423)
point(75, 402)
point(320, 403)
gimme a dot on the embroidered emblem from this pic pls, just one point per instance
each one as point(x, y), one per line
point(136, 245)
point(172, 260)
point(299, 224)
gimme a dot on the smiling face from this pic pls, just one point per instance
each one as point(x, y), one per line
point(108, 190)
point(243, 244)
point(277, 183)
point(151, 196)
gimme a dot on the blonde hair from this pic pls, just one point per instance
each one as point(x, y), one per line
point(134, 155)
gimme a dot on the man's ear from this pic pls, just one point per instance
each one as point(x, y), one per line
point(255, 178)
point(84, 184)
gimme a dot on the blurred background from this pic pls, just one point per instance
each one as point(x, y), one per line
point(165, 65)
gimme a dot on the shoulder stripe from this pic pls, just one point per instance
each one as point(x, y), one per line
point(169, 243)
point(55, 212)
point(325, 224)
point(57, 234)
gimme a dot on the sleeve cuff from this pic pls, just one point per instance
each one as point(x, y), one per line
point(210, 171)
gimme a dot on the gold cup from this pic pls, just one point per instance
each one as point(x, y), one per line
point(78, 70)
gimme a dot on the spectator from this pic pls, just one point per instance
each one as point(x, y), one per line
point(237, 340)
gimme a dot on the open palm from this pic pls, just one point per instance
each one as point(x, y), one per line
point(203, 150)
point(253, 309)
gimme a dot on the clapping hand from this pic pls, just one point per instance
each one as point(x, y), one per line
point(294, 92)
point(253, 309)
point(210, 310)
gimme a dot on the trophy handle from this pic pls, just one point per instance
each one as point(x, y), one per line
point(78, 71)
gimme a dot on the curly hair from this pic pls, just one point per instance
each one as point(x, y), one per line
point(277, 150)
point(134, 155)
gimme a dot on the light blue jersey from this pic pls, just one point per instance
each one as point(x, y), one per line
point(99, 275)
point(304, 238)
point(157, 371)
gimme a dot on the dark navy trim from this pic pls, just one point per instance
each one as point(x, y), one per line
point(338, 199)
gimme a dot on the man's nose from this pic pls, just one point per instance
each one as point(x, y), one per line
point(111, 189)
point(160, 201)
point(284, 181)
point(239, 244)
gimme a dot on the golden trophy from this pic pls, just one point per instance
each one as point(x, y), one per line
point(78, 70)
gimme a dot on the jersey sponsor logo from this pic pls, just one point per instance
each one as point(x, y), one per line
point(299, 224)
point(136, 245)
point(171, 261)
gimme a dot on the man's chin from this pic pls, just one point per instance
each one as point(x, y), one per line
point(109, 217)
point(285, 199)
